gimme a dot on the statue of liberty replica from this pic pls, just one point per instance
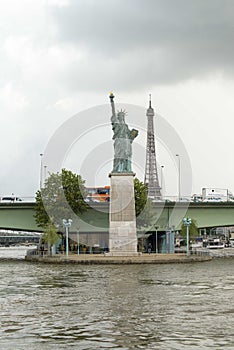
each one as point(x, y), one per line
point(123, 138)
point(122, 217)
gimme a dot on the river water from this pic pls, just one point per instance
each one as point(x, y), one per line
point(169, 306)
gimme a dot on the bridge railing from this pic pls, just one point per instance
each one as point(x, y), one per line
point(37, 252)
point(42, 253)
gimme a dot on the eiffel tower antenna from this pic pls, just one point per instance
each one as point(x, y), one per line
point(151, 173)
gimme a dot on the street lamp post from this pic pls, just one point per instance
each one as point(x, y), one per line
point(187, 222)
point(41, 155)
point(67, 224)
point(78, 242)
point(179, 176)
point(45, 173)
point(162, 166)
point(156, 239)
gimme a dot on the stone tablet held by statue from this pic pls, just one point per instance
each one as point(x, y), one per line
point(123, 138)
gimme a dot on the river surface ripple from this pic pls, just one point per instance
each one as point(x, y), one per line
point(171, 306)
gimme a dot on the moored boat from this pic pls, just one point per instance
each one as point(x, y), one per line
point(215, 243)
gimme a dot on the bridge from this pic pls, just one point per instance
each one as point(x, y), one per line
point(20, 216)
point(20, 238)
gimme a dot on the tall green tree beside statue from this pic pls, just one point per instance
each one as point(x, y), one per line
point(62, 194)
point(140, 191)
point(145, 213)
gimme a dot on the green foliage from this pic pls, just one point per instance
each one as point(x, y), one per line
point(140, 190)
point(50, 235)
point(41, 215)
point(193, 229)
point(61, 197)
point(147, 217)
point(144, 207)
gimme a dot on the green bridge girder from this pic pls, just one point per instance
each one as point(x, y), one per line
point(20, 216)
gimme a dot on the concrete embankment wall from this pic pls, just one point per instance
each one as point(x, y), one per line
point(101, 259)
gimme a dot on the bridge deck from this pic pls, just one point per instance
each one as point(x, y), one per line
point(20, 216)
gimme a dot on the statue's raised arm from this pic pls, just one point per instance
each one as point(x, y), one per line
point(113, 118)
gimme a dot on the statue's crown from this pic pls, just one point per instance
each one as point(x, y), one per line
point(122, 111)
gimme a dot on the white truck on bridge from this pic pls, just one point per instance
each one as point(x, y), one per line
point(215, 194)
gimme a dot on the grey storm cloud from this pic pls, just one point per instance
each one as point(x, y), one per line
point(145, 42)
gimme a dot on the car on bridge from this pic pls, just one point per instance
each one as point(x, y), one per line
point(10, 199)
point(213, 199)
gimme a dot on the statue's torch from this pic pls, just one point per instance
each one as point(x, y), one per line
point(112, 104)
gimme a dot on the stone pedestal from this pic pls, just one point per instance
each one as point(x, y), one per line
point(122, 218)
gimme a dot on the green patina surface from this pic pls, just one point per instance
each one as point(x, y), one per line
point(123, 138)
point(20, 216)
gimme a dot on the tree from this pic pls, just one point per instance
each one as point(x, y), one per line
point(143, 205)
point(61, 198)
point(193, 229)
point(50, 235)
point(140, 191)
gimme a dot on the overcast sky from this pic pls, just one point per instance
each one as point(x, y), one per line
point(60, 57)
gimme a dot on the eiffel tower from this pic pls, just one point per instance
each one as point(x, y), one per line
point(151, 173)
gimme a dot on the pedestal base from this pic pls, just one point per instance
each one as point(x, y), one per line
point(122, 218)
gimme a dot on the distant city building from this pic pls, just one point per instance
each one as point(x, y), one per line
point(98, 194)
point(151, 173)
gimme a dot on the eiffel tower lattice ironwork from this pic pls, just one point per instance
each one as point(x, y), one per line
point(151, 173)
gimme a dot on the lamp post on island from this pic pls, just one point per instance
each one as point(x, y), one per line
point(156, 239)
point(67, 223)
point(187, 222)
point(78, 241)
